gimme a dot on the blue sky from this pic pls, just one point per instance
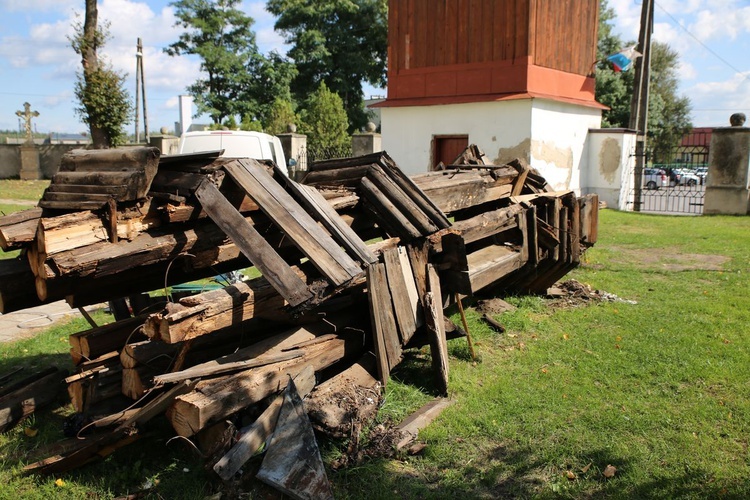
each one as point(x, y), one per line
point(37, 64)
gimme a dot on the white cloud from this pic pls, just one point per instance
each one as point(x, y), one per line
point(53, 101)
point(269, 40)
point(39, 5)
point(687, 71)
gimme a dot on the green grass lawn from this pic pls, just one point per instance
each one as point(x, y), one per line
point(657, 389)
point(15, 189)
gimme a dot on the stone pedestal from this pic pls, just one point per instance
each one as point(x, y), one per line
point(728, 172)
point(167, 144)
point(366, 143)
point(295, 148)
point(29, 163)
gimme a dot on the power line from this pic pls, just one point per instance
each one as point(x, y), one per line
point(678, 23)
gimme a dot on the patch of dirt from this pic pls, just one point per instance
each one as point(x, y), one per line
point(336, 413)
point(381, 443)
point(573, 293)
point(669, 259)
point(494, 306)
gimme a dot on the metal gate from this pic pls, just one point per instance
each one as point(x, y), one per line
point(676, 183)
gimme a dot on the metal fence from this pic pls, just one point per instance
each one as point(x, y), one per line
point(678, 186)
point(308, 155)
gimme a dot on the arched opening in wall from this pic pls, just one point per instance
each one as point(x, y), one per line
point(446, 148)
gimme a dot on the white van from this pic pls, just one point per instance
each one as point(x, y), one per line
point(236, 144)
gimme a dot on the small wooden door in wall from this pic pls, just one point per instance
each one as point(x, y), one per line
point(446, 148)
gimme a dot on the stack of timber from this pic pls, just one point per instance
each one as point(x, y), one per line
point(224, 355)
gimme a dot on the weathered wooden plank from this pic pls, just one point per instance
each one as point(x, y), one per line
point(84, 190)
point(297, 224)
point(453, 191)
point(387, 214)
point(405, 310)
point(411, 287)
point(333, 222)
point(414, 192)
point(435, 322)
point(407, 206)
point(589, 208)
point(19, 228)
point(108, 160)
point(253, 245)
point(224, 367)
point(217, 399)
point(95, 342)
point(492, 263)
point(26, 400)
point(385, 334)
point(72, 204)
point(424, 416)
point(418, 257)
point(456, 275)
point(254, 435)
point(386, 320)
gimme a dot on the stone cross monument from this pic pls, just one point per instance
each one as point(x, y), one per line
point(27, 114)
point(29, 151)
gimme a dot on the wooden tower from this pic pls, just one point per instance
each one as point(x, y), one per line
point(450, 52)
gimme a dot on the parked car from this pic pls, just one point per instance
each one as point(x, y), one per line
point(236, 144)
point(701, 173)
point(654, 178)
point(687, 178)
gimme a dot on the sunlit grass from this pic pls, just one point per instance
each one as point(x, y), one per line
point(657, 389)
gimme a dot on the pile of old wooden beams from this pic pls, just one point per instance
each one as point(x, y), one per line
point(353, 266)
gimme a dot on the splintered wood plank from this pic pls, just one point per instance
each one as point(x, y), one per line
point(492, 263)
point(532, 235)
point(254, 435)
point(411, 286)
point(410, 427)
point(436, 330)
point(385, 336)
point(575, 231)
point(286, 213)
point(589, 218)
point(387, 214)
point(456, 277)
point(333, 222)
point(401, 200)
point(418, 255)
point(405, 314)
point(18, 228)
point(252, 244)
point(26, 400)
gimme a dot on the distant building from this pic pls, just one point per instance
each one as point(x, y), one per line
point(55, 138)
point(695, 146)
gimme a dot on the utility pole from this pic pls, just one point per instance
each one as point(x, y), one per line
point(140, 91)
point(639, 100)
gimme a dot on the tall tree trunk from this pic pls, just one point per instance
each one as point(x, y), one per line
point(90, 63)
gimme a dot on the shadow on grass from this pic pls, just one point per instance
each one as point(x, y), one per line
point(511, 472)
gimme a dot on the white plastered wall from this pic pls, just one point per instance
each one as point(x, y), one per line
point(408, 131)
point(550, 135)
point(559, 134)
point(610, 166)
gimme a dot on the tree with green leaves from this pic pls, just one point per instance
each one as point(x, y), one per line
point(337, 42)
point(271, 81)
point(220, 34)
point(668, 113)
point(104, 104)
point(324, 121)
point(279, 116)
